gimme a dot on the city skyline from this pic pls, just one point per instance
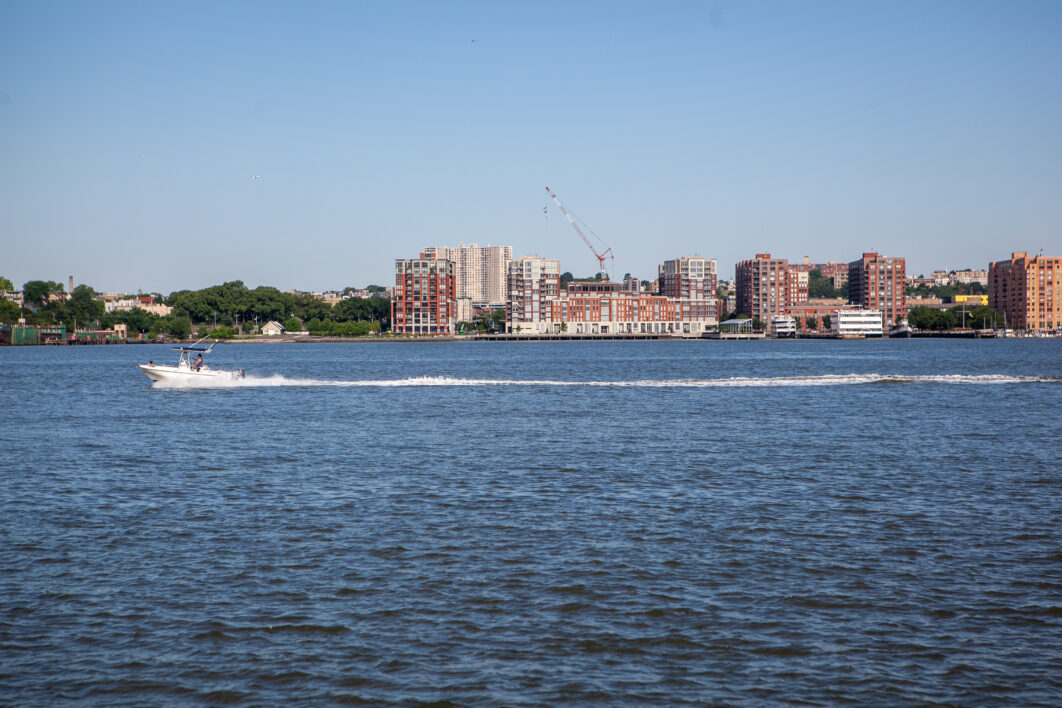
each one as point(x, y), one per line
point(161, 147)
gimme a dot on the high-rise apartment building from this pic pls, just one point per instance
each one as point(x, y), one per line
point(1025, 290)
point(424, 301)
point(534, 287)
point(763, 286)
point(877, 282)
point(480, 272)
point(689, 277)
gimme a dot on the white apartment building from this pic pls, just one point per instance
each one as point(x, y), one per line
point(940, 277)
point(464, 309)
point(534, 284)
point(480, 272)
point(689, 277)
point(966, 277)
point(132, 303)
point(856, 323)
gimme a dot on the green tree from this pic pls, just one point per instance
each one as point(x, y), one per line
point(820, 287)
point(811, 322)
point(354, 310)
point(984, 317)
point(8, 311)
point(224, 301)
point(929, 318)
point(267, 303)
point(83, 307)
point(319, 327)
point(37, 291)
point(566, 277)
point(50, 313)
point(307, 307)
point(355, 329)
point(827, 322)
point(223, 332)
point(292, 325)
point(757, 324)
point(191, 304)
point(178, 327)
point(920, 317)
point(136, 320)
point(6, 284)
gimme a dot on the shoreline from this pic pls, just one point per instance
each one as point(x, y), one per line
point(551, 339)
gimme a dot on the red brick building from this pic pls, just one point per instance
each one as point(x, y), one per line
point(769, 286)
point(876, 282)
point(425, 301)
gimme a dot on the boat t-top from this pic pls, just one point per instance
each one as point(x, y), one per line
point(190, 366)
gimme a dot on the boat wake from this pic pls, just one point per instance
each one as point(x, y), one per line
point(735, 382)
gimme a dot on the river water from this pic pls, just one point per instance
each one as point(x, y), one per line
point(813, 522)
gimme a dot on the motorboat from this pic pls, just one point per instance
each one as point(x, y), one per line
point(900, 330)
point(190, 367)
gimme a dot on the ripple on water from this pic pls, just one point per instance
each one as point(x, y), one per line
point(434, 541)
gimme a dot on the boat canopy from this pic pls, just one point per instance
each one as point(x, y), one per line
point(193, 347)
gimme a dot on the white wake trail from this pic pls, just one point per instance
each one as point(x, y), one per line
point(278, 380)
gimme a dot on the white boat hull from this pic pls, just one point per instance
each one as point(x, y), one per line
point(160, 372)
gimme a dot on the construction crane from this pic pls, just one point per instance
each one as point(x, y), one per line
point(599, 256)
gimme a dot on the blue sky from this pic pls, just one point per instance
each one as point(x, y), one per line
point(130, 133)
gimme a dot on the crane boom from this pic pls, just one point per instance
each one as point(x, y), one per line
point(599, 256)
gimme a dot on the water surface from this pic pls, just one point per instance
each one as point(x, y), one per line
point(624, 522)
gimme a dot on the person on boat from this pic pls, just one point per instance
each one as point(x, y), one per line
point(198, 363)
point(151, 363)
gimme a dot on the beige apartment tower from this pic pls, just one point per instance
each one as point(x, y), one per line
point(480, 272)
point(689, 277)
point(1025, 290)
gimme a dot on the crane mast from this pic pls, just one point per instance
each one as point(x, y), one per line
point(599, 256)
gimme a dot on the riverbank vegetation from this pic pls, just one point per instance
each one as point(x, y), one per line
point(222, 311)
point(930, 318)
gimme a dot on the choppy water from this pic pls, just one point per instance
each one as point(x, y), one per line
point(616, 522)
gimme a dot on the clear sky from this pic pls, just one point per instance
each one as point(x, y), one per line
point(130, 133)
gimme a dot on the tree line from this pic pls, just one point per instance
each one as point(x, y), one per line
point(930, 318)
point(228, 309)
